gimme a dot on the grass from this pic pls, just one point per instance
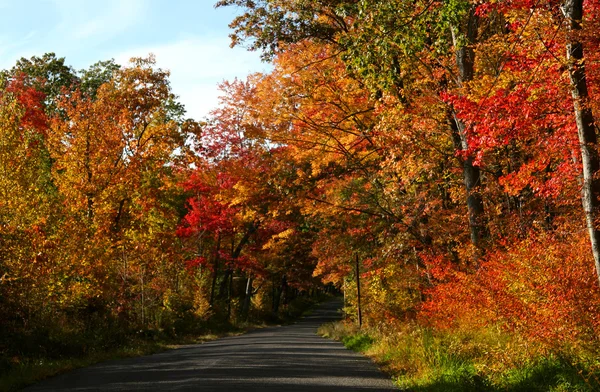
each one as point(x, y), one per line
point(423, 360)
point(359, 342)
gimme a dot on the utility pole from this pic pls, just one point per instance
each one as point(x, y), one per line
point(358, 292)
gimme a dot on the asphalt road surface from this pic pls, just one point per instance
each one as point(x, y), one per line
point(287, 358)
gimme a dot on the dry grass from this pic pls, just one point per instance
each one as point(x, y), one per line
point(421, 359)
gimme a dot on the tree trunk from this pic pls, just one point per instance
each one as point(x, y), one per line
point(586, 129)
point(215, 271)
point(472, 180)
point(224, 283)
point(247, 298)
point(465, 62)
point(229, 293)
point(118, 216)
point(235, 253)
point(277, 292)
point(89, 175)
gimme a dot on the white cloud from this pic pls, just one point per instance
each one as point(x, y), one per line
point(74, 27)
point(197, 65)
point(85, 20)
point(84, 31)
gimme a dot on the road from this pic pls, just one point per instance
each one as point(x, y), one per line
point(285, 359)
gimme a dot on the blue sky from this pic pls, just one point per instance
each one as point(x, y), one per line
point(190, 38)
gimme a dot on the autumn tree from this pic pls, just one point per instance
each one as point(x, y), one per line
point(584, 118)
point(114, 161)
point(463, 102)
point(420, 45)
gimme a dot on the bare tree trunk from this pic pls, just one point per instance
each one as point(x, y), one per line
point(586, 129)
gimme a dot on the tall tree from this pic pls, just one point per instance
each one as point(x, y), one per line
point(392, 46)
point(586, 127)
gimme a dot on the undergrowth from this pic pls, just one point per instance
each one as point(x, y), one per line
point(49, 353)
point(425, 360)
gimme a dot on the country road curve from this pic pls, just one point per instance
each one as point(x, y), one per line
point(286, 358)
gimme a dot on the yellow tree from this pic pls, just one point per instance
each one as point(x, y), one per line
point(28, 208)
point(115, 155)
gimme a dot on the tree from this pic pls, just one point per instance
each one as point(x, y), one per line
point(420, 44)
point(586, 129)
point(114, 162)
point(270, 26)
point(47, 74)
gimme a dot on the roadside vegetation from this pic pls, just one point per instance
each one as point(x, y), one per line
point(436, 161)
point(61, 352)
point(425, 360)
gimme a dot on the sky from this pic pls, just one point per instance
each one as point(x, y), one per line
point(188, 37)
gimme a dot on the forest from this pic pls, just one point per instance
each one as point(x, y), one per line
point(444, 154)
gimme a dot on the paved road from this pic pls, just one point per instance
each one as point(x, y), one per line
point(284, 359)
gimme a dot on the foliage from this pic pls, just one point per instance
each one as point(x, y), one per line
point(422, 359)
point(435, 152)
point(438, 143)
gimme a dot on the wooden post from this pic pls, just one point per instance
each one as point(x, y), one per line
point(216, 271)
point(345, 301)
point(229, 296)
point(143, 298)
point(358, 292)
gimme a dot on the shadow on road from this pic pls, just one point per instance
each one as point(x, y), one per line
point(287, 358)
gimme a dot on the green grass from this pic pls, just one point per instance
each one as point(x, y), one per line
point(423, 360)
point(360, 342)
point(550, 374)
point(546, 375)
